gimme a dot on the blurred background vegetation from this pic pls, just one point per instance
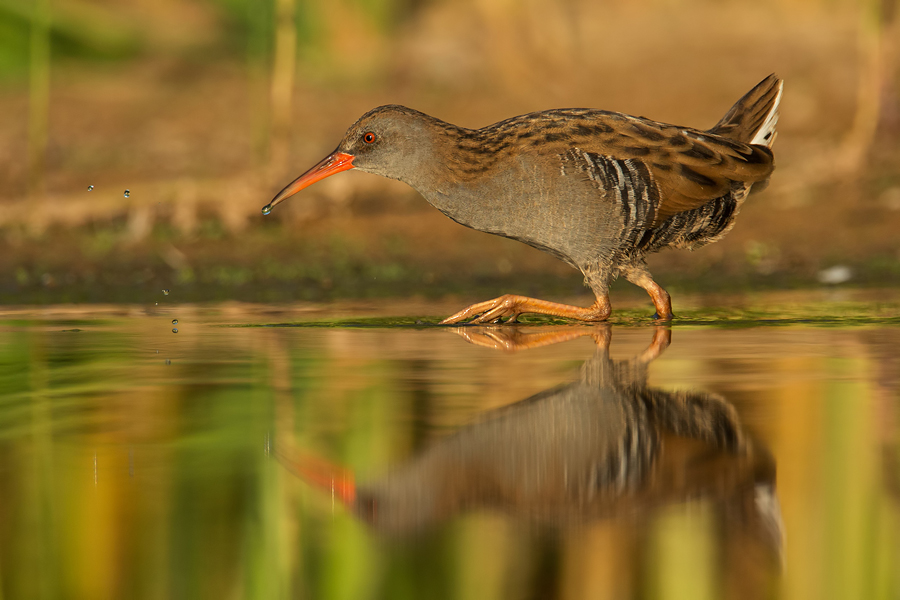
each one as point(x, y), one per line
point(203, 109)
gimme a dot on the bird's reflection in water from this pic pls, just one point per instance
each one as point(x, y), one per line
point(606, 445)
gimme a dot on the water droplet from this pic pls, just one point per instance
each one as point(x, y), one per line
point(174, 330)
point(156, 303)
point(267, 209)
point(174, 321)
point(127, 193)
point(166, 292)
point(90, 188)
point(168, 361)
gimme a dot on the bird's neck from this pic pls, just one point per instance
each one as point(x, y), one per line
point(462, 175)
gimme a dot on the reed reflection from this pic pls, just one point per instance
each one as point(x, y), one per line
point(604, 446)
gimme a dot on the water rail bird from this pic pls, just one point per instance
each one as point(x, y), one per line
point(599, 190)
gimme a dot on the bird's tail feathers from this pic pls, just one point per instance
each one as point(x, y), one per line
point(753, 118)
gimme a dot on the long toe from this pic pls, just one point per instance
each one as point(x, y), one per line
point(503, 307)
point(482, 312)
point(466, 313)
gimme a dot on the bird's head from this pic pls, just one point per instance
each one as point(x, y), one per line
point(388, 140)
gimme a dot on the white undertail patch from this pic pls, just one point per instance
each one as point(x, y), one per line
point(767, 134)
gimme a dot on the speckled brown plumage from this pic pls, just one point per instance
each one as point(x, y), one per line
point(597, 189)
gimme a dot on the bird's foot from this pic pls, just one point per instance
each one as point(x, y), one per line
point(489, 311)
point(512, 306)
point(665, 317)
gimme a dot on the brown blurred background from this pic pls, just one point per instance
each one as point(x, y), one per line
point(203, 109)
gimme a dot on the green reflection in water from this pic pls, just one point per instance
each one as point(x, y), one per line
point(185, 502)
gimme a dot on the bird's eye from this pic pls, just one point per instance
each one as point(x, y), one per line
point(369, 138)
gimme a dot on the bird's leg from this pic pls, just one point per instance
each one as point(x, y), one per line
point(640, 276)
point(512, 306)
point(662, 337)
point(602, 335)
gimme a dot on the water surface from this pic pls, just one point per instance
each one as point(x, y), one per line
point(348, 456)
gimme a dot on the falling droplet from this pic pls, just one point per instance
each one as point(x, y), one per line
point(95, 468)
point(174, 321)
point(90, 188)
point(174, 330)
point(166, 292)
point(168, 361)
point(156, 303)
point(127, 193)
point(267, 209)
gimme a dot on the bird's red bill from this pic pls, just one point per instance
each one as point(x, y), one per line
point(331, 164)
point(321, 474)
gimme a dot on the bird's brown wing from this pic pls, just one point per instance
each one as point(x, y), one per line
point(689, 167)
